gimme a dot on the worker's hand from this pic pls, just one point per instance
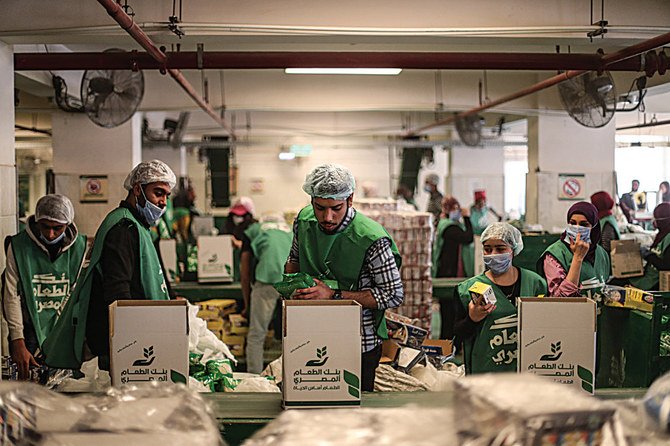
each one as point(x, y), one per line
point(180, 298)
point(477, 311)
point(320, 291)
point(244, 312)
point(579, 248)
point(22, 357)
point(465, 212)
point(237, 244)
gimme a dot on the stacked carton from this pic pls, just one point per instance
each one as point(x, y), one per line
point(412, 233)
point(223, 320)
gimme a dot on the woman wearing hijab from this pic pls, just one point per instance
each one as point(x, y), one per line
point(609, 229)
point(476, 323)
point(454, 231)
point(658, 258)
point(663, 193)
point(577, 257)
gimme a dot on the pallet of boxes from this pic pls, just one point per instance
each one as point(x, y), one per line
point(224, 321)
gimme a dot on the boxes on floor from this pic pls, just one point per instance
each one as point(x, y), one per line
point(557, 340)
point(321, 353)
point(238, 324)
point(216, 307)
point(626, 259)
point(215, 258)
point(148, 341)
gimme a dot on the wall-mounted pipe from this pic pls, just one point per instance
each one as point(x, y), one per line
point(128, 24)
point(607, 60)
point(281, 59)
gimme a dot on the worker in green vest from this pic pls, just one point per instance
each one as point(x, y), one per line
point(453, 237)
point(124, 264)
point(576, 263)
point(609, 228)
point(43, 263)
point(334, 242)
point(268, 243)
point(481, 213)
point(489, 331)
point(658, 257)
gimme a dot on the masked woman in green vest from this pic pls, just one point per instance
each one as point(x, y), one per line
point(609, 228)
point(658, 257)
point(576, 262)
point(489, 331)
point(43, 264)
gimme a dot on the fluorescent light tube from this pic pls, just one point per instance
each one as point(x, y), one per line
point(366, 71)
point(286, 156)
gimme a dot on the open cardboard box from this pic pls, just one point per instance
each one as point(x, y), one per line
point(626, 259)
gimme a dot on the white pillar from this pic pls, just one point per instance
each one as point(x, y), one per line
point(8, 208)
point(474, 168)
point(80, 147)
point(559, 145)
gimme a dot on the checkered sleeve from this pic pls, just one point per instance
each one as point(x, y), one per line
point(293, 255)
point(381, 275)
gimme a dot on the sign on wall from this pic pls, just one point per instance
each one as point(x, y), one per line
point(93, 189)
point(571, 186)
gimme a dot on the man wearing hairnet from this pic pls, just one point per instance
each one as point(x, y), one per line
point(43, 263)
point(488, 330)
point(124, 265)
point(355, 255)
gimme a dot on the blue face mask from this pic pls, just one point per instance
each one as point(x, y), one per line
point(150, 211)
point(427, 189)
point(572, 230)
point(455, 215)
point(54, 241)
point(498, 263)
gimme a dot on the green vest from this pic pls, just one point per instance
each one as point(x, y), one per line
point(600, 269)
point(649, 281)
point(442, 225)
point(271, 244)
point(45, 286)
point(339, 257)
point(65, 347)
point(478, 218)
point(494, 348)
point(609, 219)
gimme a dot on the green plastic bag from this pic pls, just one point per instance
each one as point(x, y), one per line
point(292, 282)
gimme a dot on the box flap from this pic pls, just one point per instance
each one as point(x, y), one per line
point(166, 316)
point(551, 312)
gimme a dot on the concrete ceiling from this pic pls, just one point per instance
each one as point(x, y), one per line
point(268, 102)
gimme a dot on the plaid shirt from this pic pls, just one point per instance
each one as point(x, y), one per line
point(379, 274)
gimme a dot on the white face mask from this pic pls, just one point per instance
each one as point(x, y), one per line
point(237, 220)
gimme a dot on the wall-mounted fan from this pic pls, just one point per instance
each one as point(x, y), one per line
point(108, 97)
point(111, 97)
point(469, 129)
point(590, 99)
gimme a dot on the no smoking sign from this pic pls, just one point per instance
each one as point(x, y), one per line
point(571, 187)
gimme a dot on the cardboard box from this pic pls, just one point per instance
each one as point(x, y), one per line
point(479, 289)
point(321, 353)
point(234, 342)
point(664, 280)
point(168, 250)
point(222, 307)
point(437, 347)
point(238, 324)
point(148, 341)
point(390, 350)
point(209, 315)
point(215, 324)
point(215, 258)
point(401, 330)
point(626, 259)
point(557, 340)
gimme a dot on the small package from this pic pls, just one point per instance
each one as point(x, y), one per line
point(479, 289)
point(221, 306)
point(238, 324)
point(626, 259)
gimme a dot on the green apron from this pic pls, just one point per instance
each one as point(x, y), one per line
point(494, 348)
point(467, 251)
point(599, 270)
point(45, 286)
point(478, 219)
point(271, 244)
point(609, 219)
point(64, 348)
point(339, 257)
point(649, 281)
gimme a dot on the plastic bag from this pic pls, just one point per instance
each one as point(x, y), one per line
point(202, 341)
point(292, 282)
point(657, 403)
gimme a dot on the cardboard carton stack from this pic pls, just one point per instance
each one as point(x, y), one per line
point(412, 233)
point(223, 320)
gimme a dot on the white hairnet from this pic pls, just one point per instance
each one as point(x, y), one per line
point(56, 208)
point(433, 179)
point(154, 171)
point(329, 181)
point(505, 232)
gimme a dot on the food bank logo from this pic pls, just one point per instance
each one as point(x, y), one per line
point(555, 354)
point(320, 360)
point(148, 358)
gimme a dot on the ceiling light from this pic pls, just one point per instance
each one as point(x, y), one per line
point(367, 71)
point(286, 156)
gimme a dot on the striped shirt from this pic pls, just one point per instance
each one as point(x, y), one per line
point(379, 274)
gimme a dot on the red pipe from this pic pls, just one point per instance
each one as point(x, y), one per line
point(129, 25)
point(281, 60)
point(607, 60)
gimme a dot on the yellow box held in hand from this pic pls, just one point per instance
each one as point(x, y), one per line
point(479, 289)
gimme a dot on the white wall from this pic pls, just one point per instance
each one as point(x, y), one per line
point(475, 168)
point(83, 148)
point(8, 205)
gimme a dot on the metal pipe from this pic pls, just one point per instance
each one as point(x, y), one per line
point(128, 24)
point(32, 129)
point(641, 126)
point(610, 59)
point(281, 59)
